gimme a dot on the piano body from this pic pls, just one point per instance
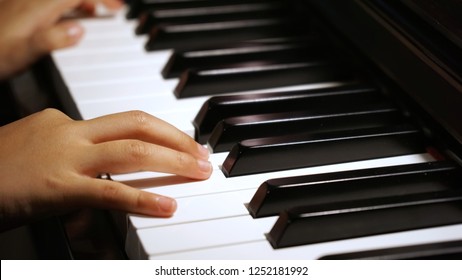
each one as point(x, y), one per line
point(334, 126)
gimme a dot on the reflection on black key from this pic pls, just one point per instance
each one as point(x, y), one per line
point(137, 7)
point(331, 222)
point(218, 108)
point(450, 250)
point(245, 54)
point(206, 35)
point(277, 195)
point(162, 18)
point(339, 116)
point(306, 149)
point(257, 78)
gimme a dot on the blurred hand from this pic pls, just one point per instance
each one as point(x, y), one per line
point(32, 28)
point(50, 164)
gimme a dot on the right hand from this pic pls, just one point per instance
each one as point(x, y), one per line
point(50, 164)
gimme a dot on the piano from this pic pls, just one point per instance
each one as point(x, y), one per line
point(333, 125)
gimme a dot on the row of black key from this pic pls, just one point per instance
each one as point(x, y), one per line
point(298, 128)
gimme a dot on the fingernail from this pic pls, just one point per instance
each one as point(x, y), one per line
point(203, 151)
point(204, 165)
point(74, 31)
point(166, 204)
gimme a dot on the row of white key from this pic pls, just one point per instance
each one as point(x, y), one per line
point(207, 208)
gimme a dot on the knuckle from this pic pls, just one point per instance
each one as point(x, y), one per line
point(180, 159)
point(139, 118)
point(137, 150)
point(59, 190)
point(182, 162)
point(109, 193)
point(53, 183)
point(139, 201)
point(62, 125)
point(51, 113)
point(184, 140)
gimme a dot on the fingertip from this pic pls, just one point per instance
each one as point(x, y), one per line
point(204, 170)
point(73, 32)
point(60, 36)
point(203, 152)
point(113, 4)
point(166, 205)
point(204, 166)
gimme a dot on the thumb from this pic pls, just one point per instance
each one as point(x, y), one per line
point(58, 36)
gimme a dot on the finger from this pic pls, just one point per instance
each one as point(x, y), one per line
point(59, 36)
point(90, 6)
point(87, 8)
point(124, 156)
point(108, 194)
point(110, 4)
point(53, 10)
point(144, 127)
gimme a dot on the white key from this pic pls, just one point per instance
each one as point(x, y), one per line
point(203, 207)
point(262, 250)
point(231, 231)
point(206, 234)
point(103, 75)
point(112, 59)
point(123, 89)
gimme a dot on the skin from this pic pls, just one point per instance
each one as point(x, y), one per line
point(31, 29)
point(49, 163)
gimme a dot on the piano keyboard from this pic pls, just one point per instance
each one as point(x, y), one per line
point(235, 214)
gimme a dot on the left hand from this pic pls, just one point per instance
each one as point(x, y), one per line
point(30, 29)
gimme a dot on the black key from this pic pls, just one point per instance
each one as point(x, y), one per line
point(218, 108)
point(451, 250)
point(207, 35)
point(137, 7)
point(247, 54)
point(265, 77)
point(307, 150)
point(277, 195)
point(338, 117)
point(210, 14)
point(331, 222)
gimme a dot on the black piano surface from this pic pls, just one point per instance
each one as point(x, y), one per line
point(413, 50)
